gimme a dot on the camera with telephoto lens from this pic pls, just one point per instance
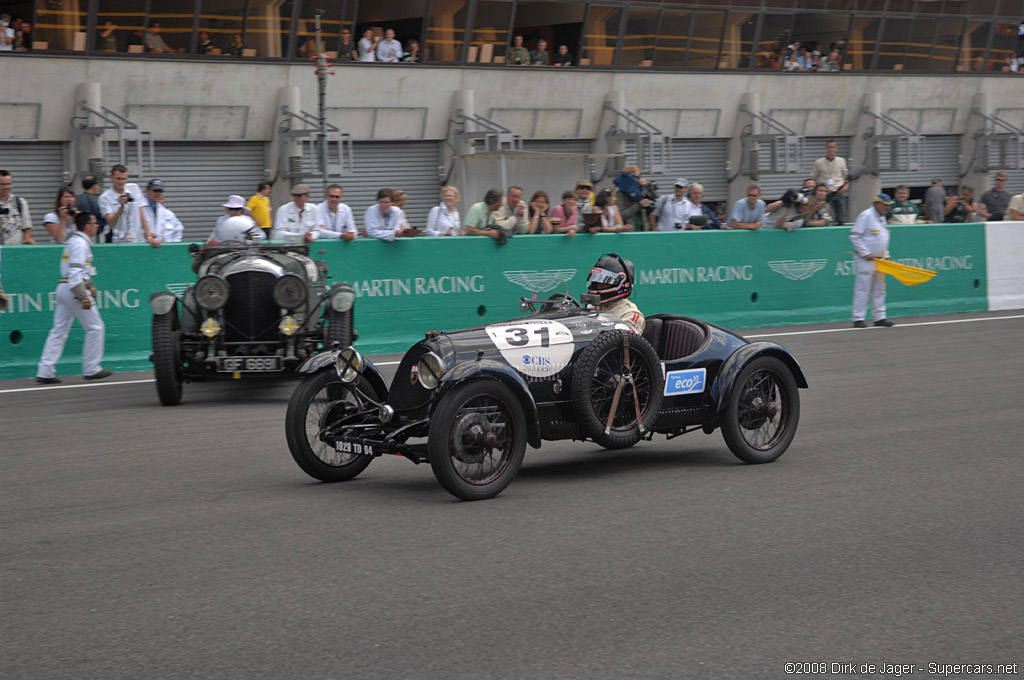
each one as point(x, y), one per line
point(793, 197)
point(5, 211)
point(650, 192)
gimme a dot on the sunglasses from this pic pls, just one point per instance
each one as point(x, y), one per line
point(334, 196)
point(752, 195)
point(299, 195)
point(582, 186)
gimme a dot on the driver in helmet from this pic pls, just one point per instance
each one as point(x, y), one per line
point(609, 284)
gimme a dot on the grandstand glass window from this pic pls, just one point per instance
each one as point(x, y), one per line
point(223, 23)
point(330, 27)
point(560, 23)
point(1004, 46)
point(946, 48)
point(775, 47)
point(446, 31)
point(405, 17)
point(861, 46)
point(491, 32)
point(738, 39)
point(673, 39)
point(172, 23)
point(121, 26)
point(639, 39)
point(600, 35)
point(892, 48)
point(268, 28)
point(57, 26)
point(706, 40)
point(973, 46)
point(821, 32)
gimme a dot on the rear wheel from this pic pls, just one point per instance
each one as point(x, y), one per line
point(477, 439)
point(318, 397)
point(763, 411)
point(167, 358)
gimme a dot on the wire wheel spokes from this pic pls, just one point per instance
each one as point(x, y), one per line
point(481, 441)
point(327, 401)
point(762, 410)
point(610, 371)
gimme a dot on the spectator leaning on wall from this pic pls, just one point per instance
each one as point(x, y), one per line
point(15, 219)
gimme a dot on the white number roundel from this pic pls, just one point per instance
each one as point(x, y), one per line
point(534, 347)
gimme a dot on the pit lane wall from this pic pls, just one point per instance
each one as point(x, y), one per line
point(735, 279)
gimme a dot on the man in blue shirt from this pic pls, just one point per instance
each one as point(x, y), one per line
point(748, 213)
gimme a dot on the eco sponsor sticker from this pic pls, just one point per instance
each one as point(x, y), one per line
point(535, 347)
point(688, 381)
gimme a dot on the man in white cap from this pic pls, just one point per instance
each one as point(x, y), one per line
point(235, 207)
point(296, 221)
point(870, 239)
point(164, 224)
point(671, 212)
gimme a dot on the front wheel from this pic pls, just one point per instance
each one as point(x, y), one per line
point(339, 329)
point(313, 398)
point(167, 358)
point(762, 412)
point(477, 439)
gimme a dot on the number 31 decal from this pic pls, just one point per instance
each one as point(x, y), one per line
point(520, 337)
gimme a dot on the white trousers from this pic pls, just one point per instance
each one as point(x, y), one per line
point(68, 309)
point(870, 283)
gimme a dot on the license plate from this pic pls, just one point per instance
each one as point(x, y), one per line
point(249, 364)
point(353, 447)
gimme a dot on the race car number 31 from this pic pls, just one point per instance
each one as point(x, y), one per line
point(536, 347)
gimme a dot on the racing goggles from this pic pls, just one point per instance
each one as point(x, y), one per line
point(599, 275)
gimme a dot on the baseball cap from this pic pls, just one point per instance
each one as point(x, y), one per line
point(299, 189)
point(884, 198)
point(585, 183)
point(155, 184)
point(235, 202)
point(681, 182)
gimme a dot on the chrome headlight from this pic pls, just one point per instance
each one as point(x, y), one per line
point(349, 364)
point(429, 369)
point(289, 292)
point(212, 291)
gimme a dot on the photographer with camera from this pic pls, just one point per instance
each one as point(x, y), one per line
point(672, 212)
point(789, 211)
point(15, 220)
point(61, 222)
point(122, 208)
point(635, 198)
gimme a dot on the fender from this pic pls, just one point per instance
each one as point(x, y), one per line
point(163, 302)
point(743, 356)
point(325, 361)
point(494, 370)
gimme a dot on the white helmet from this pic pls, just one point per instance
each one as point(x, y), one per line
point(238, 229)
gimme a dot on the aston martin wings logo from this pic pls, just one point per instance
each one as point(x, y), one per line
point(177, 288)
point(539, 282)
point(797, 271)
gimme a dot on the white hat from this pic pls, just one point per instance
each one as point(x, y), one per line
point(235, 202)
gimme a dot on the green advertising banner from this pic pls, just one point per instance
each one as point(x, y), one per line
point(731, 278)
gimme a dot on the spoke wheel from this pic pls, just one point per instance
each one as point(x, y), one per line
point(477, 439)
point(602, 371)
point(318, 400)
point(763, 411)
point(167, 358)
point(339, 329)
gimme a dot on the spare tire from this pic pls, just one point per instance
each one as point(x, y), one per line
point(600, 368)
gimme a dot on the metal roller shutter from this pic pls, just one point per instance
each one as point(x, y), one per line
point(37, 170)
point(698, 160)
point(773, 186)
point(577, 146)
point(941, 159)
point(200, 176)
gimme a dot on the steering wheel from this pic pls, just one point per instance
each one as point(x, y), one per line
point(560, 300)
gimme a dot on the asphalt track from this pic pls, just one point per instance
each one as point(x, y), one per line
point(150, 542)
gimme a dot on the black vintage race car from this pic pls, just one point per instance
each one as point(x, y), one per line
point(469, 401)
point(256, 309)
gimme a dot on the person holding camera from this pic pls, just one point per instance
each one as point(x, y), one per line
point(517, 54)
point(672, 212)
point(15, 220)
point(122, 208)
point(634, 198)
point(61, 222)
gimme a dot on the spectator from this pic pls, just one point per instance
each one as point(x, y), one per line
point(480, 220)
point(61, 222)
point(260, 209)
point(236, 47)
point(830, 63)
point(794, 206)
point(155, 42)
point(517, 54)
point(122, 209)
point(398, 200)
point(382, 220)
point(412, 55)
point(235, 211)
point(540, 217)
point(748, 213)
point(235, 207)
point(562, 57)
point(295, 222)
point(584, 196)
point(994, 202)
point(632, 198)
point(540, 55)
point(347, 51)
point(902, 210)
point(205, 45)
point(15, 218)
point(672, 212)
point(700, 210)
point(6, 34)
point(611, 220)
point(443, 219)
point(1016, 207)
point(367, 45)
point(389, 50)
point(108, 42)
point(819, 214)
point(164, 224)
point(88, 200)
point(565, 218)
point(935, 202)
point(870, 239)
point(831, 170)
point(513, 217)
point(136, 37)
point(336, 219)
point(22, 34)
point(961, 208)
